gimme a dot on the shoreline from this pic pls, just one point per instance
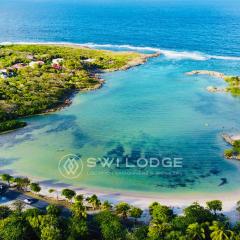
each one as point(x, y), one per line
point(177, 201)
point(211, 89)
point(140, 199)
point(232, 81)
point(67, 98)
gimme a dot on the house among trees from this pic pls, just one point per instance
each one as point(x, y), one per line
point(56, 63)
point(36, 63)
point(19, 66)
point(89, 60)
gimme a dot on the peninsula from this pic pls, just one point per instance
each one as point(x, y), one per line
point(41, 78)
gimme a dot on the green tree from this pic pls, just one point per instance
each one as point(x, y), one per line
point(51, 190)
point(175, 235)
point(221, 232)
point(106, 205)
point(51, 233)
point(122, 209)
point(162, 213)
point(77, 228)
point(151, 207)
point(4, 212)
point(110, 226)
point(180, 223)
point(79, 198)
point(22, 183)
point(32, 212)
point(215, 205)
point(196, 213)
point(139, 233)
point(68, 193)
point(195, 232)
point(135, 212)
point(7, 178)
point(94, 201)
point(78, 210)
point(50, 227)
point(158, 230)
point(228, 153)
point(15, 228)
point(53, 210)
point(35, 187)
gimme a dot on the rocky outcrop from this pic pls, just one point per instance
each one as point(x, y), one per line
point(206, 72)
point(213, 89)
point(227, 138)
point(232, 154)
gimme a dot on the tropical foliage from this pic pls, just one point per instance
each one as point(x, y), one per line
point(89, 218)
point(35, 78)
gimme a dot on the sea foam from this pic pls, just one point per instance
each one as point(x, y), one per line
point(169, 54)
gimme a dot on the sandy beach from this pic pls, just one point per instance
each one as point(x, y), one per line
point(142, 200)
point(177, 201)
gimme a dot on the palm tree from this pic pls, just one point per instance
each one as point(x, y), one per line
point(79, 198)
point(8, 178)
point(196, 232)
point(122, 209)
point(68, 194)
point(94, 201)
point(220, 232)
point(78, 210)
point(106, 206)
point(52, 191)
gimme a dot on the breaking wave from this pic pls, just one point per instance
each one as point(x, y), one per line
point(170, 54)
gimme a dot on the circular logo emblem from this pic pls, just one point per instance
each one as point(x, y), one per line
point(70, 166)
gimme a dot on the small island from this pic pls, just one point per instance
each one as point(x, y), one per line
point(234, 152)
point(37, 78)
point(233, 81)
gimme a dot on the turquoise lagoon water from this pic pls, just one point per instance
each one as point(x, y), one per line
point(153, 110)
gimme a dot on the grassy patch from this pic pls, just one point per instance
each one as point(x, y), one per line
point(233, 85)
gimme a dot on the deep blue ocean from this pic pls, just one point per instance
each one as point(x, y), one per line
point(211, 27)
point(152, 110)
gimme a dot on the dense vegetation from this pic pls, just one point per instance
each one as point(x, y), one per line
point(27, 88)
point(234, 152)
point(11, 125)
point(108, 222)
point(234, 85)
